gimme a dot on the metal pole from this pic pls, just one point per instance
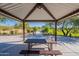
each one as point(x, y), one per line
point(23, 30)
point(55, 30)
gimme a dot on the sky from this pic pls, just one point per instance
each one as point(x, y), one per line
point(8, 22)
point(40, 24)
point(11, 22)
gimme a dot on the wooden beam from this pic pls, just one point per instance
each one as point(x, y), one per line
point(23, 31)
point(39, 5)
point(56, 31)
point(31, 11)
point(7, 13)
point(69, 14)
point(9, 17)
point(46, 9)
point(39, 20)
point(73, 16)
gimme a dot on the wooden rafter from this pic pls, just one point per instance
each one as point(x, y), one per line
point(69, 14)
point(39, 20)
point(31, 11)
point(41, 5)
point(7, 13)
point(46, 9)
point(9, 17)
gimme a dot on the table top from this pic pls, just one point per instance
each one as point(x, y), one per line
point(35, 41)
point(39, 41)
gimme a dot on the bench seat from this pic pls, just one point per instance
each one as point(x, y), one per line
point(41, 52)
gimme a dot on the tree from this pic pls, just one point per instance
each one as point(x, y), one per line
point(47, 30)
point(20, 25)
point(2, 19)
point(67, 26)
point(50, 24)
point(75, 21)
point(30, 29)
point(35, 29)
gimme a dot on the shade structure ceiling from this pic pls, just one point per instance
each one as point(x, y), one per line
point(21, 11)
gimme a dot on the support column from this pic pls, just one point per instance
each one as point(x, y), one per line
point(55, 30)
point(23, 30)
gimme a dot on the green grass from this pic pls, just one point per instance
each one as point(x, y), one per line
point(72, 34)
point(75, 34)
point(59, 33)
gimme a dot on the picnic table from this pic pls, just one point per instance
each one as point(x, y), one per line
point(50, 51)
point(40, 41)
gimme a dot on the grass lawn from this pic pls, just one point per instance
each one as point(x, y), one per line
point(73, 34)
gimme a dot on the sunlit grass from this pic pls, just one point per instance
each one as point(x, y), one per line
point(59, 33)
point(72, 34)
point(75, 34)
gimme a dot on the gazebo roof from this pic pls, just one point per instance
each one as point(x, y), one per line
point(39, 11)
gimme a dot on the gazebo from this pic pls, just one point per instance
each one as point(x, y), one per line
point(39, 12)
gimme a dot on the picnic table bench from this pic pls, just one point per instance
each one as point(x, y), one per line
point(41, 52)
